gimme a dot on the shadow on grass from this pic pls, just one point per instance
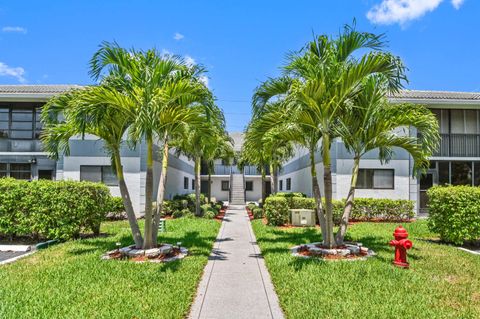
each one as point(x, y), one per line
point(196, 244)
point(277, 242)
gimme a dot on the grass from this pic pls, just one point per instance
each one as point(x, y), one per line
point(70, 281)
point(442, 282)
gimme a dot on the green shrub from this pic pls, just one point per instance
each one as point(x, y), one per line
point(116, 209)
point(251, 206)
point(209, 215)
point(292, 194)
point(205, 207)
point(302, 202)
point(52, 210)
point(218, 207)
point(276, 211)
point(188, 214)
point(381, 208)
point(257, 213)
point(454, 213)
point(168, 207)
point(178, 213)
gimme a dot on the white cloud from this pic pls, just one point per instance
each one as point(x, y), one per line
point(204, 80)
point(402, 11)
point(178, 36)
point(14, 29)
point(190, 61)
point(457, 3)
point(16, 72)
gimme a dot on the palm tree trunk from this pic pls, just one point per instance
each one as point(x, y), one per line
point(349, 203)
point(198, 211)
point(275, 178)
point(148, 243)
point(209, 186)
point(127, 202)
point(317, 194)
point(263, 185)
point(272, 180)
point(327, 181)
point(162, 184)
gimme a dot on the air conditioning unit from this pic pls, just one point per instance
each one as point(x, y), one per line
point(303, 217)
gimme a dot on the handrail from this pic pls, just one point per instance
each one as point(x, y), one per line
point(244, 188)
point(230, 187)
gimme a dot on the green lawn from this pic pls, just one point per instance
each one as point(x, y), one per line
point(443, 282)
point(70, 281)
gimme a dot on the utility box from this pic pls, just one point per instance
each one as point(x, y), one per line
point(303, 217)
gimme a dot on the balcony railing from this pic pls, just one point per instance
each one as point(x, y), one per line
point(459, 145)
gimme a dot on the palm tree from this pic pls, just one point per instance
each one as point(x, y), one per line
point(320, 82)
point(157, 84)
point(96, 111)
point(219, 148)
point(372, 123)
point(198, 141)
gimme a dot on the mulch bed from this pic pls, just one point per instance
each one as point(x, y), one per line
point(117, 255)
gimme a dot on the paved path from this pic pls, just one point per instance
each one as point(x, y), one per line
point(235, 283)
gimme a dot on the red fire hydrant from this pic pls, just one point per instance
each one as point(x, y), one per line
point(401, 244)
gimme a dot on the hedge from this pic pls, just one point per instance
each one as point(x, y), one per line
point(276, 210)
point(454, 213)
point(257, 213)
point(52, 210)
point(365, 209)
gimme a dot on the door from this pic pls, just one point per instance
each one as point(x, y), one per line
point(426, 181)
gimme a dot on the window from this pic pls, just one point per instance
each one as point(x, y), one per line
point(289, 184)
point(20, 170)
point(225, 185)
point(20, 122)
point(185, 183)
point(45, 174)
point(249, 186)
point(280, 185)
point(375, 179)
point(98, 174)
point(193, 184)
point(16, 170)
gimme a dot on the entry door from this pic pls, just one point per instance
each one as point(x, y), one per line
point(426, 181)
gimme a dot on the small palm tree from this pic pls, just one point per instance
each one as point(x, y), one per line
point(101, 111)
point(159, 85)
point(372, 123)
point(320, 82)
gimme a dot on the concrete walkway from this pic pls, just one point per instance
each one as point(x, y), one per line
point(236, 283)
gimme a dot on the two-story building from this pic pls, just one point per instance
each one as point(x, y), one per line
point(456, 162)
point(22, 156)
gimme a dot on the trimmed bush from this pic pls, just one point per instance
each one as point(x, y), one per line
point(257, 213)
point(365, 209)
point(52, 210)
point(177, 213)
point(116, 210)
point(209, 215)
point(291, 194)
point(302, 202)
point(276, 211)
point(251, 206)
point(379, 208)
point(454, 213)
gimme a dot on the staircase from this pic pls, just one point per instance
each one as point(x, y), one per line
point(237, 190)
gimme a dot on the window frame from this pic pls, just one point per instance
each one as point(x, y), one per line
point(223, 183)
point(373, 178)
point(288, 184)
point(8, 170)
point(193, 184)
point(36, 125)
point(102, 173)
point(280, 185)
point(246, 188)
point(185, 182)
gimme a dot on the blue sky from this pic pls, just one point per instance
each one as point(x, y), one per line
point(240, 42)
